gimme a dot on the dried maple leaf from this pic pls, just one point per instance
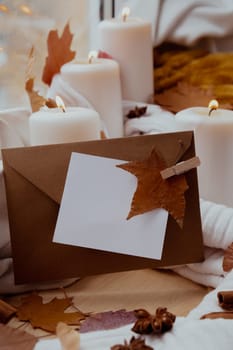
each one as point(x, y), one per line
point(185, 96)
point(46, 316)
point(59, 53)
point(153, 192)
point(11, 339)
point(37, 101)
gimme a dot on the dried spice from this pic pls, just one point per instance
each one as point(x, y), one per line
point(133, 344)
point(153, 191)
point(47, 316)
point(161, 322)
point(225, 299)
point(227, 263)
point(213, 315)
point(137, 112)
point(59, 53)
point(7, 311)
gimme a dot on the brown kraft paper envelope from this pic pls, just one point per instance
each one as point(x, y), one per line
point(35, 178)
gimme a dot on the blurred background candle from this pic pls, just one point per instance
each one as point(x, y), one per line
point(129, 41)
point(214, 146)
point(63, 125)
point(98, 81)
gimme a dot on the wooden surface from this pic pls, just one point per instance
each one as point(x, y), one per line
point(129, 290)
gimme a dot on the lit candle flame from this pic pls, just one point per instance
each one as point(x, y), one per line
point(60, 103)
point(213, 105)
point(3, 8)
point(125, 13)
point(25, 9)
point(92, 55)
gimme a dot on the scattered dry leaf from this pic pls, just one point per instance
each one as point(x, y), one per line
point(11, 339)
point(46, 316)
point(68, 337)
point(103, 135)
point(228, 259)
point(183, 96)
point(37, 101)
point(59, 53)
point(103, 54)
point(107, 320)
point(153, 192)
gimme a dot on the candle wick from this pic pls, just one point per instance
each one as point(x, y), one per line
point(124, 18)
point(211, 110)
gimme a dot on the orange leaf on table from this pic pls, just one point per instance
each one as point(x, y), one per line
point(59, 53)
point(185, 96)
point(47, 316)
point(153, 191)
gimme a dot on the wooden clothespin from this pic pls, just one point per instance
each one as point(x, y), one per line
point(180, 168)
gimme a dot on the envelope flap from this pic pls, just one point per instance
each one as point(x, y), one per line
point(46, 166)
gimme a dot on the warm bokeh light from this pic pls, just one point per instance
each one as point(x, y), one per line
point(213, 105)
point(3, 8)
point(25, 9)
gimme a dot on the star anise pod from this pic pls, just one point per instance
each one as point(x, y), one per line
point(137, 112)
point(134, 344)
point(159, 323)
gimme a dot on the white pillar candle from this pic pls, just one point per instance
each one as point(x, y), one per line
point(52, 125)
point(129, 42)
point(99, 82)
point(214, 146)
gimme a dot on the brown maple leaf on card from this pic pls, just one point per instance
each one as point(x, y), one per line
point(153, 191)
point(59, 53)
point(47, 316)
